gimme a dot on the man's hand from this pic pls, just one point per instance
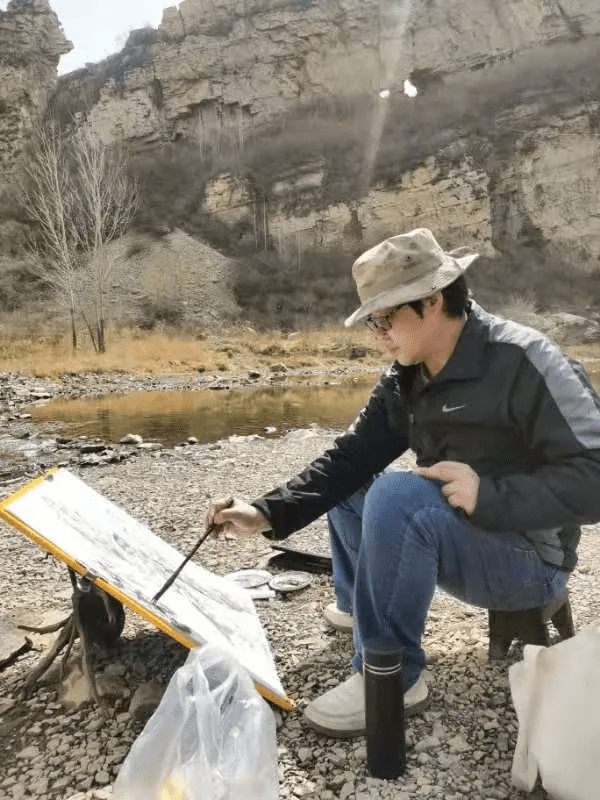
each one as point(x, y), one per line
point(460, 483)
point(239, 517)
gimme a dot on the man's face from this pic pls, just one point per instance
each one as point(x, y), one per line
point(409, 338)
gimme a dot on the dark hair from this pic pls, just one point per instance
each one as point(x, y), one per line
point(455, 297)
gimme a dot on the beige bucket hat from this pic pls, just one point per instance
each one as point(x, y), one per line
point(405, 268)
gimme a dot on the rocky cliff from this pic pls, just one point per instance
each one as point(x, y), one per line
point(222, 68)
point(282, 127)
point(31, 43)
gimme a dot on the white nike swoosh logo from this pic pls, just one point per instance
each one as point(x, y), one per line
point(446, 409)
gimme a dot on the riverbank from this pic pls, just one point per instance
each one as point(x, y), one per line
point(459, 749)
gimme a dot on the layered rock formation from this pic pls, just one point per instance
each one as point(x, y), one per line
point(320, 148)
point(222, 68)
point(31, 44)
point(297, 136)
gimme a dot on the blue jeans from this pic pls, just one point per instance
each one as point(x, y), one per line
point(395, 540)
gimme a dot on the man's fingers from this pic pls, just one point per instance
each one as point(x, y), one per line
point(457, 500)
point(460, 483)
point(450, 488)
point(215, 510)
point(442, 471)
point(236, 516)
point(454, 493)
point(445, 471)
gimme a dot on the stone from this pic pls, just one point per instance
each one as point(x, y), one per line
point(458, 744)
point(27, 753)
point(92, 447)
point(305, 753)
point(111, 685)
point(131, 438)
point(11, 641)
point(145, 699)
point(347, 790)
point(74, 690)
point(572, 328)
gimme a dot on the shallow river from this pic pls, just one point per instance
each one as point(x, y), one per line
point(170, 417)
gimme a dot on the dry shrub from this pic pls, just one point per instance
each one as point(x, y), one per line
point(275, 294)
point(522, 309)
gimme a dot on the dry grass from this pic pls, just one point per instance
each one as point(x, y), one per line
point(163, 351)
point(27, 346)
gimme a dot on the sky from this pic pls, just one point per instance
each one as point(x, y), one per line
point(99, 29)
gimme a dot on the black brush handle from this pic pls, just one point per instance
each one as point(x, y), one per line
point(211, 528)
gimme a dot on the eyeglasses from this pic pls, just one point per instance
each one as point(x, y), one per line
point(383, 323)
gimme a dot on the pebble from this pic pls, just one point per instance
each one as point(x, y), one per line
point(28, 752)
point(458, 744)
point(347, 790)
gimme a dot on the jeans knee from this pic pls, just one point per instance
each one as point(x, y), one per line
point(403, 490)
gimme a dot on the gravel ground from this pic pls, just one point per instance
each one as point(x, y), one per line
point(461, 747)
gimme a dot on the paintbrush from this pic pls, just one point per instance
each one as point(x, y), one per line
point(210, 529)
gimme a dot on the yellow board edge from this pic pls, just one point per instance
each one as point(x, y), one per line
point(284, 702)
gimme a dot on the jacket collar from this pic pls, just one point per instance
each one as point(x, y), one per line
point(467, 359)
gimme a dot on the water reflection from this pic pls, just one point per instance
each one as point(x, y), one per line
point(170, 417)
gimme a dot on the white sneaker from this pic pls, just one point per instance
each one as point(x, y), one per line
point(340, 620)
point(341, 711)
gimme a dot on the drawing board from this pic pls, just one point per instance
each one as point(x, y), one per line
point(96, 537)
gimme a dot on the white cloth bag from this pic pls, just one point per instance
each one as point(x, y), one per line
point(556, 694)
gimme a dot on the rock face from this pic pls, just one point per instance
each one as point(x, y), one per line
point(222, 68)
point(499, 148)
point(294, 134)
point(31, 44)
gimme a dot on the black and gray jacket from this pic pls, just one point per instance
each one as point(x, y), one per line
point(509, 404)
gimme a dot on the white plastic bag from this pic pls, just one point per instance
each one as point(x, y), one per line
point(211, 738)
point(556, 693)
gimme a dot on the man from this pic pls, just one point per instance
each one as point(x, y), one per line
point(506, 432)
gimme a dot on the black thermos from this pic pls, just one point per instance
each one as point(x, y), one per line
point(384, 706)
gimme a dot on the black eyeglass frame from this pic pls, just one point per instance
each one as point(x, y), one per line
point(384, 323)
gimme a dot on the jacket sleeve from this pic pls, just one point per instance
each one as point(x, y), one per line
point(558, 413)
point(377, 437)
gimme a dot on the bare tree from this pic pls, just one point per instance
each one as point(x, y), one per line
point(107, 200)
point(50, 202)
point(82, 197)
